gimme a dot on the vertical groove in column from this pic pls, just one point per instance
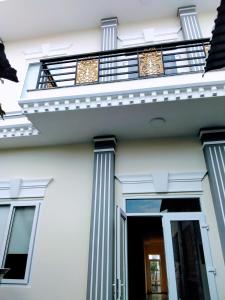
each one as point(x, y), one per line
point(100, 266)
point(108, 227)
point(103, 227)
point(98, 229)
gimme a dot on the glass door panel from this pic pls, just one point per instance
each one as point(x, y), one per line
point(188, 257)
point(190, 268)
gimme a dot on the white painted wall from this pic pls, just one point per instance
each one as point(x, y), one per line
point(60, 260)
point(151, 32)
point(172, 155)
point(206, 22)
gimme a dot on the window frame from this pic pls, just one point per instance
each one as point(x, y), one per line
point(7, 233)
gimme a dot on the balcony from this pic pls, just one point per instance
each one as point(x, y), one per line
point(120, 92)
point(118, 74)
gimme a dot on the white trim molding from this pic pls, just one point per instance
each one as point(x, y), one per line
point(47, 50)
point(23, 188)
point(161, 182)
point(66, 99)
point(19, 130)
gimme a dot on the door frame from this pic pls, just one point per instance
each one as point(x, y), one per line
point(204, 234)
point(120, 285)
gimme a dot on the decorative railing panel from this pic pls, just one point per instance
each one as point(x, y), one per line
point(151, 63)
point(87, 71)
point(124, 64)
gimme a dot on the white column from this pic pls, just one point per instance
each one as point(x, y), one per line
point(109, 33)
point(214, 151)
point(189, 23)
point(101, 245)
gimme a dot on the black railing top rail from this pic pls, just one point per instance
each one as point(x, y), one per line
point(129, 50)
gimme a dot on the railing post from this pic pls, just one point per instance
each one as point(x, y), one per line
point(39, 75)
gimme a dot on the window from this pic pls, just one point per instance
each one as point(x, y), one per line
point(162, 205)
point(17, 232)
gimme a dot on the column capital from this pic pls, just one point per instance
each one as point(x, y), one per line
point(104, 143)
point(107, 22)
point(186, 10)
point(213, 135)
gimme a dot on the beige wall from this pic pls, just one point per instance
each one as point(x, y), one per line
point(60, 260)
point(172, 155)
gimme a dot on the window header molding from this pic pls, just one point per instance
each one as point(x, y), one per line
point(162, 182)
point(23, 188)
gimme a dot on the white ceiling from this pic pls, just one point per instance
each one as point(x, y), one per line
point(22, 19)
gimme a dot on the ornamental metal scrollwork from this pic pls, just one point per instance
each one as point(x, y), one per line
point(207, 47)
point(87, 71)
point(150, 63)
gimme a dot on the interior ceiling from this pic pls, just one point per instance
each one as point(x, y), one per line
point(23, 19)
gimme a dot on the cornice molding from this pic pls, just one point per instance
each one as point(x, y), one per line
point(109, 22)
point(187, 10)
point(212, 136)
point(21, 130)
point(104, 143)
point(22, 188)
point(64, 103)
point(162, 182)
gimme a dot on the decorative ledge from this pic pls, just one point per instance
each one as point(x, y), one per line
point(12, 131)
point(20, 188)
point(150, 95)
point(162, 182)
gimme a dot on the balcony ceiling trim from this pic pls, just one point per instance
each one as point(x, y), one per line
point(21, 130)
point(63, 103)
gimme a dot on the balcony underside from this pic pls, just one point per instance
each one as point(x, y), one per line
point(183, 118)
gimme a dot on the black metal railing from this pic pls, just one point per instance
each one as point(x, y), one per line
point(124, 64)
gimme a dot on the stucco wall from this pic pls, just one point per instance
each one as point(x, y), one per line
point(60, 260)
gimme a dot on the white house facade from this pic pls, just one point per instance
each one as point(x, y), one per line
point(112, 153)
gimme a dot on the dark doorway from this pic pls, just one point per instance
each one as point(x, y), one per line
point(146, 259)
